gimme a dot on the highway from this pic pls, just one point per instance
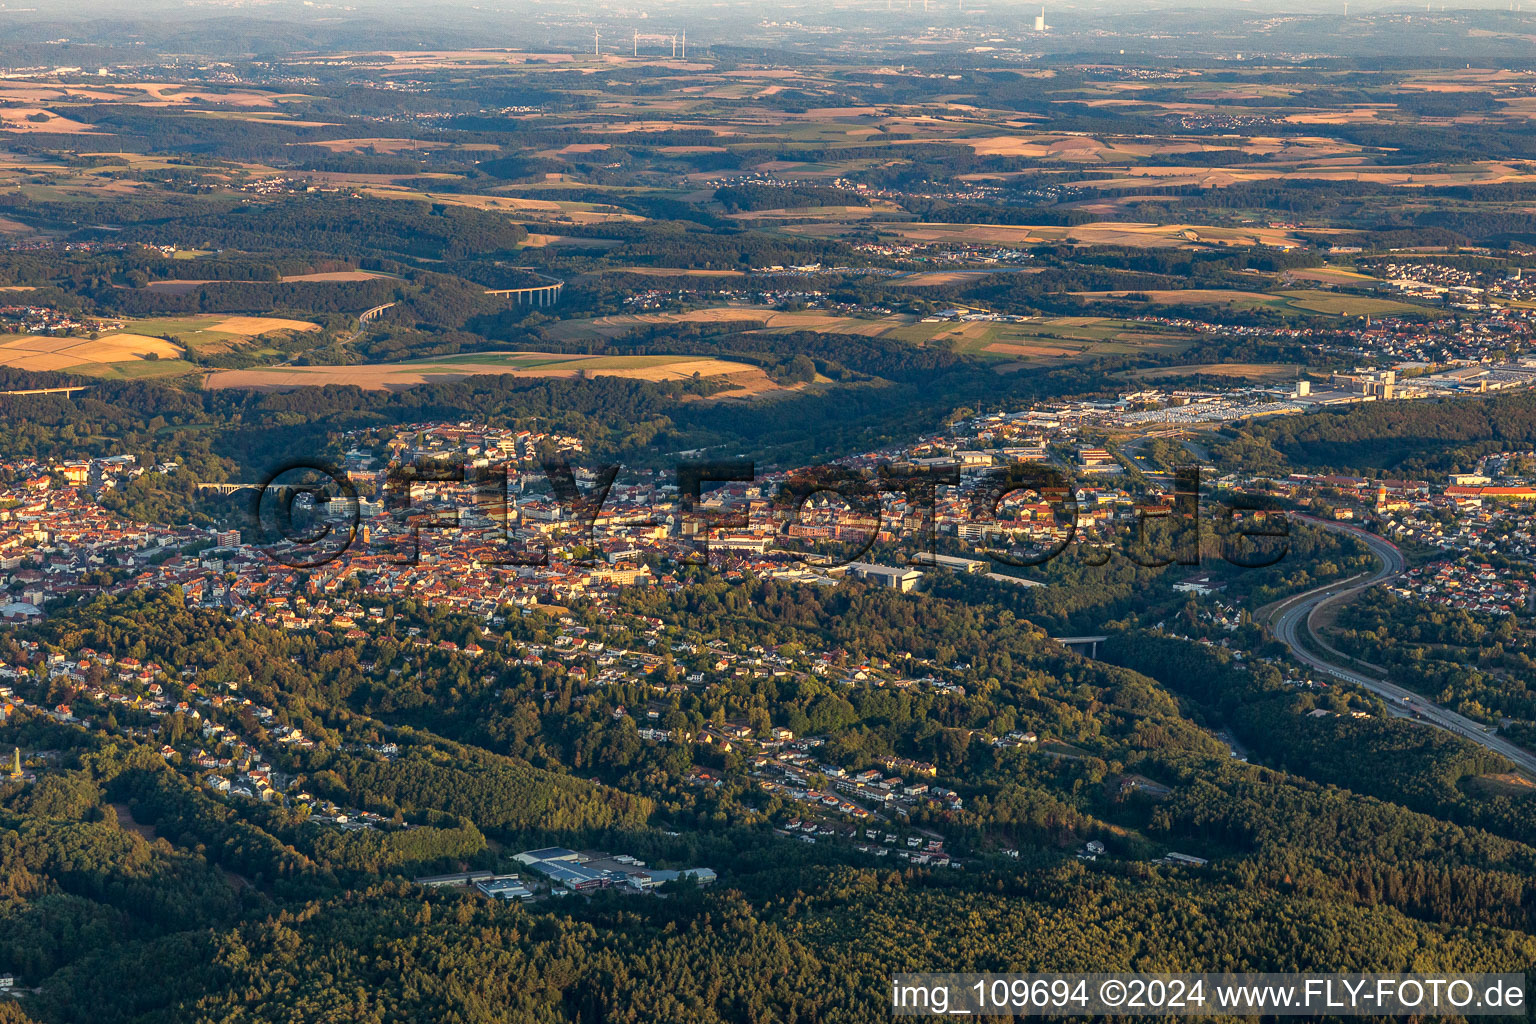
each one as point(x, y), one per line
point(1293, 618)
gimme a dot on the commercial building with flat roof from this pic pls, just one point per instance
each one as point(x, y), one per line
point(703, 876)
point(952, 562)
point(507, 887)
point(899, 577)
point(461, 878)
point(572, 876)
point(549, 853)
point(576, 872)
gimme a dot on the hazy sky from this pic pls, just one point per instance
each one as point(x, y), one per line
point(1480, 30)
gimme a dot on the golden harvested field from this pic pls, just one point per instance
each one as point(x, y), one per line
point(171, 94)
point(1070, 148)
point(34, 92)
point(211, 332)
point(807, 320)
point(576, 148)
point(1120, 149)
point(1007, 348)
point(746, 379)
point(44, 352)
point(20, 120)
point(1330, 275)
point(251, 326)
point(336, 275)
point(1487, 172)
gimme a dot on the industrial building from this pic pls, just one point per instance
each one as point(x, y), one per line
point(565, 869)
point(582, 872)
point(952, 562)
point(899, 577)
point(505, 887)
point(460, 879)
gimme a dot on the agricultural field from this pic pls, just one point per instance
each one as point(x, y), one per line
point(1048, 339)
point(744, 380)
point(40, 121)
point(581, 329)
point(1241, 371)
point(183, 285)
point(1344, 303)
point(938, 278)
point(1013, 343)
point(1190, 296)
point(1331, 275)
point(1126, 233)
point(568, 211)
point(214, 332)
point(340, 275)
point(139, 348)
point(1292, 300)
point(108, 355)
point(1479, 172)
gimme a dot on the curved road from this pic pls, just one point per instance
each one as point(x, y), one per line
point(1293, 617)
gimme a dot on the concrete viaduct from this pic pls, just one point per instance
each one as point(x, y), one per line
point(50, 391)
point(1076, 643)
point(534, 295)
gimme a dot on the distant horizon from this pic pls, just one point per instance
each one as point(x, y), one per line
point(1370, 30)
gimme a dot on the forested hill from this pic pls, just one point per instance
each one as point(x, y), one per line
point(1428, 436)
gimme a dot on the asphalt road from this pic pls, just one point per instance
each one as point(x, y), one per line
point(1293, 618)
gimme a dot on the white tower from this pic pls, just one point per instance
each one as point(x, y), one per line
point(1040, 20)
